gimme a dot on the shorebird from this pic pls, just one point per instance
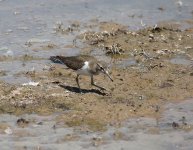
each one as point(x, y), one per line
point(84, 65)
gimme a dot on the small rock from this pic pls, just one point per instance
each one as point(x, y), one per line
point(40, 123)
point(8, 131)
point(96, 141)
point(9, 53)
point(151, 36)
point(31, 83)
point(191, 74)
point(175, 125)
point(22, 122)
point(16, 13)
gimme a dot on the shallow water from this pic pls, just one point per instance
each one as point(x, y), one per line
point(34, 22)
point(181, 60)
point(44, 132)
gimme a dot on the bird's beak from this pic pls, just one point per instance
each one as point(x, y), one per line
point(107, 73)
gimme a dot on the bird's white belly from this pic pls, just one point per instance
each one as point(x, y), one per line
point(84, 70)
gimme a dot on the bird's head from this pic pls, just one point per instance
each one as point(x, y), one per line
point(102, 67)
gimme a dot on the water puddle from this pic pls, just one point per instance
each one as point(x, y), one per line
point(180, 60)
point(15, 71)
point(124, 63)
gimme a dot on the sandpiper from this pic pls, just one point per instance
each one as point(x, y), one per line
point(84, 65)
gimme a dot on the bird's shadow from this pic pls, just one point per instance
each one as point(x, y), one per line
point(83, 91)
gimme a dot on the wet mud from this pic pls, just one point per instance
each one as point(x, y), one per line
point(156, 76)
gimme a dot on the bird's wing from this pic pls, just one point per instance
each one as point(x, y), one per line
point(72, 62)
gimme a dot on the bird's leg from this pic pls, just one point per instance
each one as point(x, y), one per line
point(92, 80)
point(92, 83)
point(77, 81)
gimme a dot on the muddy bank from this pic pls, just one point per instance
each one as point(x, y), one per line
point(155, 77)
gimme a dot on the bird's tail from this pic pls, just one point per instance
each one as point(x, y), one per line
point(56, 59)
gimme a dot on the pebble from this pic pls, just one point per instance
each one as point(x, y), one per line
point(31, 83)
point(8, 131)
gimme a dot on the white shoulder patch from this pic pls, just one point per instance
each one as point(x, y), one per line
point(86, 66)
point(84, 69)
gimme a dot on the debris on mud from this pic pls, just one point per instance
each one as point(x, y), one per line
point(22, 122)
point(160, 41)
point(59, 28)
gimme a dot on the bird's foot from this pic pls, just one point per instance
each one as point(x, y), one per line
point(101, 88)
